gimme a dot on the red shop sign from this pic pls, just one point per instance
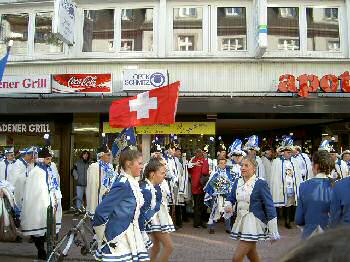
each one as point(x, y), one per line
point(312, 84)
point(82, 83)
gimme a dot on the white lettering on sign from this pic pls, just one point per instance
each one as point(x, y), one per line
point(143, 104)
point(24, 128)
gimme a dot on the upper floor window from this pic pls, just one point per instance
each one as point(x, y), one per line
point(137, 30)
point(231, 29)
point(322, 34)
point(98, 32)
point(188, 33)
point(186, 12)
point(44, 40)
point(14, 27)
point(283, 34)
point(331, 13)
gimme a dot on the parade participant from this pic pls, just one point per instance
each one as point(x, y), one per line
point(256, 216)
point(154, 175)
point(116, 220)
point(304, 161)
point(315, 196)
point(345, 156)
point(285, 180)
point(252, 148)
point(211, 161)
point(341, 169)
point(218, 186)
point(236, 155)
point(197, 169)
point(100, 177)
point(20, 172)
point(80, 175)
point(46, 182)
point(6, 165)
point(266, 159)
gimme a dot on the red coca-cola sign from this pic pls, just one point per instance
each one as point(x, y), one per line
point(82, 83)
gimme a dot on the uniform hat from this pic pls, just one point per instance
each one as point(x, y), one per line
point(46, 150)
point(156, 148)
point(252, 143)
point(9, 150)
point(235, 148)
point(286, 144)
point(221, 146)
point(103, 149)
point(345, 152)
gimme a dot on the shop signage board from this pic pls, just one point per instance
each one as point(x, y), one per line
point(64, 20)
point(25, 84)
point(179, 128)
point(310, 83)
point(82, 83)
point(24, 127)
point(144, 79)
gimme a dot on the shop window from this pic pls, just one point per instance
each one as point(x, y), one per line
point(231, 29)
point(188, 33)
point(283, 34)
point(44, 40)
point(98, 30)
point(137, 29)
point(14, 27)
point(288, 44)
point(320, 31)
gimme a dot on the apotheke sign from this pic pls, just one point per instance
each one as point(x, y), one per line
point(25, 84)
point(144, 79)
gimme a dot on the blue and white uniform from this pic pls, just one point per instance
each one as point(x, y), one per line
point(305, 166)
point(218, 186)
point(340, 203)
point(116, 223)
point(256, 215)
point(6, 170)
point(314, 205)
point(152, 196)
point(341, 170)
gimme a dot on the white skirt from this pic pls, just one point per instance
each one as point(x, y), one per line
point(129, 248)
point(161, 222)
point(248, 228)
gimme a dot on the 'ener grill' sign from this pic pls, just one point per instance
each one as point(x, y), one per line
point(24, 128)
point(25, 84)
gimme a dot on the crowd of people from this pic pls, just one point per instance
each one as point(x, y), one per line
point(136, 206)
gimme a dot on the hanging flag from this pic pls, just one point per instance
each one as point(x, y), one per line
point(157, 106)
point(3, 61)
point(125, 138)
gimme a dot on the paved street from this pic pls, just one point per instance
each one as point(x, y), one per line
point(191, 245)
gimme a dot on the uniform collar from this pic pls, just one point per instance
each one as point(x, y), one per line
point(321, 175)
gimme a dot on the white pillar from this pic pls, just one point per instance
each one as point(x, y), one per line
point(146, 147)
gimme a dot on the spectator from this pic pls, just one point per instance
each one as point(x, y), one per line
point(80, 175)
point(198, 167)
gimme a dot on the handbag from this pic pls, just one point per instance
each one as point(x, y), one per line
point(8, 233)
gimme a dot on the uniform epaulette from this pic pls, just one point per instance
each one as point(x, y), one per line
point(123, 179)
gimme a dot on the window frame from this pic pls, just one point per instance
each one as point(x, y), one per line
point(205, 28)
point(250, 37)
point(303, 52)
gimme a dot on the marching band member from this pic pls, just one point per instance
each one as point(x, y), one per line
point(304, 161)
point(116, 219)
point(252, 148)
point(100, 177)
point(256, 216)
point(6, 165)
point(345, 156)
point(236, 155)
point(266, 159)
point(285, 180)
point(45, 179)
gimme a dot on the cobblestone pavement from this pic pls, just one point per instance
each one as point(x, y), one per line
point(190, 245)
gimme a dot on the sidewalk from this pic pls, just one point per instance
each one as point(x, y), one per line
point(190, 245)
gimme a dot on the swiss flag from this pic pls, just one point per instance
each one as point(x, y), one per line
point(157, 106)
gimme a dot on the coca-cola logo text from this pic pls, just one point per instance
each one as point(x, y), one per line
point(88, 81)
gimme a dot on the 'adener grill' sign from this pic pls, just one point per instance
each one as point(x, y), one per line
point(24, 128)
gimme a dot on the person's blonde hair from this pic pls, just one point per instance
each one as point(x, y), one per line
point(252, 160)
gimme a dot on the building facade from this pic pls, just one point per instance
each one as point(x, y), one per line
point(241, 65)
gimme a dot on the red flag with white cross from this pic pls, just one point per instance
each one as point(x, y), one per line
point(157, 106)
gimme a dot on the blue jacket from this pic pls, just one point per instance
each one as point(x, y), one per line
point(261, 203)
point(313, 205)
point(117, 209)
point(340, 203)
point(147, 212)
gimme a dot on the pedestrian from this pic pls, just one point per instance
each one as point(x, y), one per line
point(252, 148)
point(256, 216)
point(218, 186)
point(100, 177)
point(315, 196)
point(116, 219)
point(42, 190)
point(285, 181)
point(199, 169)
point(80, 175)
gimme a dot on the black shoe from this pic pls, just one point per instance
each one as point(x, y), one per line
point(204, 226)
point(197, 226)
point(288, 225)
point(211, 231)
point(42, 255)
point(228, 231)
